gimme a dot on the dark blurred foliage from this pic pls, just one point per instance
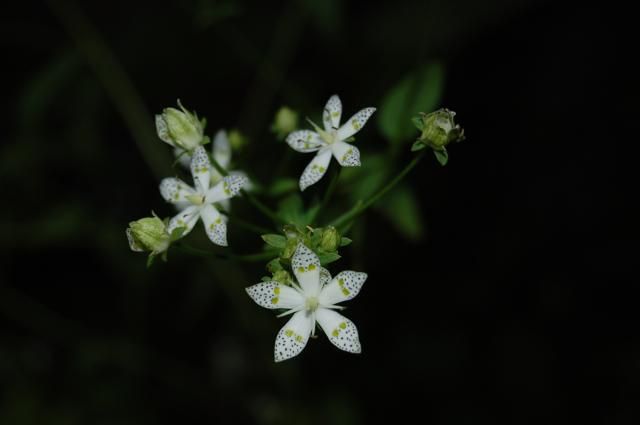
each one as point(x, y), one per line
point(517, 306)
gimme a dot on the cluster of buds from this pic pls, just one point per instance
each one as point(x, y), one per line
point(324, 241)
point(438, 129)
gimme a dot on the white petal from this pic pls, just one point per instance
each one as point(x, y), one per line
point(305, 141)
point(201, 169)
point(162, 130)
point(293, 336)
point(275, 295)
point(187, 218)
point(229, 187)
point(221, 150)
point(355, 123)
point(343, 287)
point(214, 225)
point(306, 267)
point(315, 169)
point(225, 205)
point(332, 112)
point(340, 330)
point(175, 190)
point(346, 154)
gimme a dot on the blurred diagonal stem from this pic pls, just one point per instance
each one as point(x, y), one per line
point(117, 84)
point(252, 199)
point(260, 256)
point(361, 207)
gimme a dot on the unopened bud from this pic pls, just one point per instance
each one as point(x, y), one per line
point(180, 128)
point(285, 121)
point(330, 240)
point(148, 234)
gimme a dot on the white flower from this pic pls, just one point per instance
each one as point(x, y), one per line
point(221, 152)
point(314, 299)
point(330, 141)
point(197, 202)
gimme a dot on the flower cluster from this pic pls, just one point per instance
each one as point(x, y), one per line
point(300, 285)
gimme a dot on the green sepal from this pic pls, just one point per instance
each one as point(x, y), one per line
point(329, 257)
point(177, 233)
point(150, 260)
point(276, 241)
point(418, 145)
point(417, 121)
point(442, 156)
point(345, 241)
point(266, 279)
point(206, 139)
point(274, 265)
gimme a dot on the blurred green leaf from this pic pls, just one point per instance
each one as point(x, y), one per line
point(283, 186)
point(420, 91)
point(277, 241)
point(403, 211)
point(363, 181)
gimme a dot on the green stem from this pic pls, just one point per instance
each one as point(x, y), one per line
point(252, 199)
point(116, 82)
point(361, 207)
point(259, 256)
point(246, 224)
point(327, 195)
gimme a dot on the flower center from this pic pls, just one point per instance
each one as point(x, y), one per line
point(195, 199)
point(311, 304)
point(329, 136)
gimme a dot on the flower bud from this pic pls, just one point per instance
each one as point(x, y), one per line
point(283, 277)
point(180, 128)
point(285, 121)
point(148, 234)
point(438, 129)
point(237, 140)
point(330, 240)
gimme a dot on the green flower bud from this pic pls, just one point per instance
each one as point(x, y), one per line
point(237, 140)
point(148, 234)
point(180, 128)
point(283, 277)
point(330, 240)
point(438, 130)
point(285, 121)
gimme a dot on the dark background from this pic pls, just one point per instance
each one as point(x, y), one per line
point(517, 305)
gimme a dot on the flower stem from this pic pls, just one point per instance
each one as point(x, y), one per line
point(327, 195)
point(360, 207)
point(260, 256)
point(252, 199)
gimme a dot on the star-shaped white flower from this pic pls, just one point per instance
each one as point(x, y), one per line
point(221, 152)
point(330, 141)
point(198, 202)
point(314, 299)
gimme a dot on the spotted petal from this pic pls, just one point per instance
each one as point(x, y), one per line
point(187, 218)
point(201, 169)
point(305, 141)
point(275, 295)
point(325, 277)
point(175, 191)
point(163, 130)
point(306, 267)
point(340, 330)
point(229, 187)
point(355, 123)
point(214, 224)
point(293, 336)
point(331, 114)
point(346, 154)
point(345, 286)
point(315, 169)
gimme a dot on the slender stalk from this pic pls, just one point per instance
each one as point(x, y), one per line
point(246, 224)
point(329, 193)
point(252, 199)
point(117, 84)
point(361, 207)
point(259, 256)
